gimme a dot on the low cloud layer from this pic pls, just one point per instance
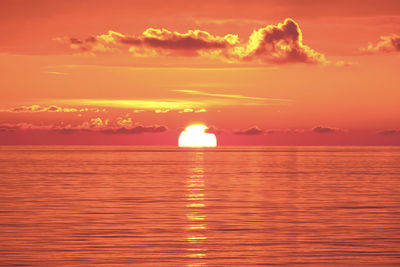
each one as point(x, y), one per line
point(214, 130)
point(135, 130)
point(23, 126)
point(255, 130)
point(387, 44)
point(274, 44)
point(323, 129)
point(250, 131)
point(390, 132)
point(38, 108)
point(96, 125)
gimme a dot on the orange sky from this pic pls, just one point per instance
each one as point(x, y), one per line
point(256, 72)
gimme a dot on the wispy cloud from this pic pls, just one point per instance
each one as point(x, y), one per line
point(207, 21)
point(386, 44)
point(233, 96)
point(55, 72)
point(146, 104)
point(199, 104)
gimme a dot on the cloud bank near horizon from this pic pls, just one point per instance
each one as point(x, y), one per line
point(96, 125)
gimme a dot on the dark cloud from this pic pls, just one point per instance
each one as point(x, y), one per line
point(389, 132)
point(251, 131)
point(91, 39)
point(70, 130)
point(214, 130)
point(6, 127)
point(157, 40)
point(277, 44)
point(131, 41)
point(135, 130)
point(271, 131)
point(322, 129)
point(75, 41)
point(183, 43)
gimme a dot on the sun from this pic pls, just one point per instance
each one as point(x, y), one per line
point(195, 136)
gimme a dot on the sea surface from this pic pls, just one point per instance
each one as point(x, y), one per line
point(231, 206)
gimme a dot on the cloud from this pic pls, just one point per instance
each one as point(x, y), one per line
point(190, 110)
point(250, 131)
point(191, 40)
point(98, 122)
point(7, 127)
point(208, 21)
point(389, 132)
point(38, 108)
point(161, 111)
point(124, 122)
point(23, 126)
point(387, 44)
point(274, 44)
point(55, 72)
point(255, 130)
point(214, 130)
point(141, 104)
point(272, 131)
point(136, 130)
point(322, 129)
point(123, 126)
point(342, 63)
point(195, 92)
point(155, 41)
point(237, 99)
point(164, 104)
point(282, 43)
point(96, 125)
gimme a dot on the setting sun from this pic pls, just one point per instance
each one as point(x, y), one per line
point(199, 133)
point(195, 136)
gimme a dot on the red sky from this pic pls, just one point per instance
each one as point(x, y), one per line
point(256, 72)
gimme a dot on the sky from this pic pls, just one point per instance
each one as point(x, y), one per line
point(255, 72)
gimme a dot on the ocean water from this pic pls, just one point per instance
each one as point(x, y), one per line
point(233, 206)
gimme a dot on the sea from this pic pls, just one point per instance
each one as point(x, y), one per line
point(225, 206)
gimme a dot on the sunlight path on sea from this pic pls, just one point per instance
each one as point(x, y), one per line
point(196, 227)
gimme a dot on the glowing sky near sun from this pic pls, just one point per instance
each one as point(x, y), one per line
point(254, 72)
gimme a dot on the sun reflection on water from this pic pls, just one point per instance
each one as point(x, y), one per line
point(195, 227)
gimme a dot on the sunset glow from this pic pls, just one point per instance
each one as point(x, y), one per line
point(199, 133)
point(259, 72)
